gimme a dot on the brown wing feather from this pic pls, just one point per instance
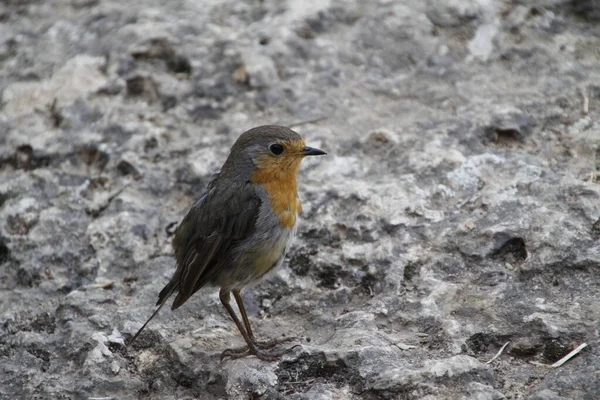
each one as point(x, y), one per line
point(222, 219)
point(194, 271)
point(204, 240)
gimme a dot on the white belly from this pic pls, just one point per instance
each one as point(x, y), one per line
point(272, 251)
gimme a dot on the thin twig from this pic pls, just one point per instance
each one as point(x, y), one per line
point(585, 108)
point(569, 356)
point(403, 346)
point(307, 382)
point(498, 353)
point(538, 364)
point(101, 207)
point(310, 121)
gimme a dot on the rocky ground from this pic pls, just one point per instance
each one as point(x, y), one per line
point(458, 209)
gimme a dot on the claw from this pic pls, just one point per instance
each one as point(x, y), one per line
point(261, 354)
point(260, 345)
point(235, 350)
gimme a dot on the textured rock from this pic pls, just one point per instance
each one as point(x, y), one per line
point(79, 76)
point(458, 208)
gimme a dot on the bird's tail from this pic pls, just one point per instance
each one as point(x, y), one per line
point(162, 299)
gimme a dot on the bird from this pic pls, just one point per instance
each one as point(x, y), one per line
point(240, 228)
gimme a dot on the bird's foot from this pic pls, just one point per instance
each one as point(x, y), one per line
point(261, 353)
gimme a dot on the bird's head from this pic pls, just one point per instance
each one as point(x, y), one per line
point(270, 153)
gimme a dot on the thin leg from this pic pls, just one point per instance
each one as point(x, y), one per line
point(240, 304)
point(261, 345)
point(225, 299)
point(252, 350)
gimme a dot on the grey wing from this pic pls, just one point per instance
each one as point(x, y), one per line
point(205, 238)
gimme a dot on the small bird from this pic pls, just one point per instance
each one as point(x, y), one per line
point(241, 227)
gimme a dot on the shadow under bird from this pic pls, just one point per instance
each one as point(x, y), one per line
point(240, 229)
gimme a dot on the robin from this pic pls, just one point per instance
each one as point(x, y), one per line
point(241, 227)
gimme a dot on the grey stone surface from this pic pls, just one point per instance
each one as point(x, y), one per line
point(458, 209)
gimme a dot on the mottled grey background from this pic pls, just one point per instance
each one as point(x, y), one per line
point(458, 209)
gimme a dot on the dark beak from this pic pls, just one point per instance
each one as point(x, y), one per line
point(311, 151)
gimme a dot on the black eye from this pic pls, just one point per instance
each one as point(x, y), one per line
point(276, 149)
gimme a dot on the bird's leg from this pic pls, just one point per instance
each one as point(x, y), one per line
point(240, 304)
point(225, 300)
point(266, 345)
point(251, 350)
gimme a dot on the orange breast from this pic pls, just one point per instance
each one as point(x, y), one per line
point(280, 184)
